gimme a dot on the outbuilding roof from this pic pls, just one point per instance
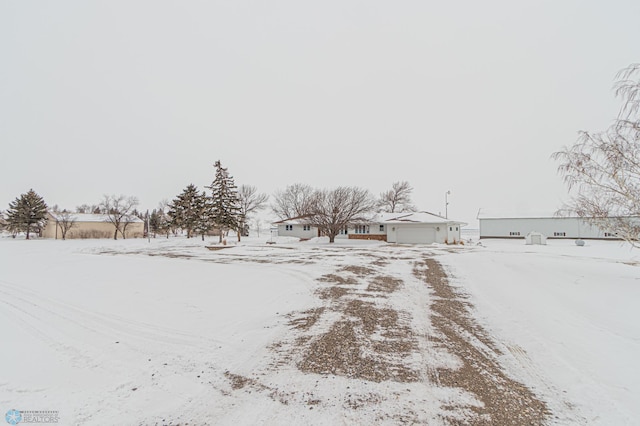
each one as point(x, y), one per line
point(518, 214)
point(88, 217)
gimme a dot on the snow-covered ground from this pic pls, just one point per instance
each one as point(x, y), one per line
point(132, 332)
point(569, 315)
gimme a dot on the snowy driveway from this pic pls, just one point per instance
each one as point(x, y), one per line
point(300, 333)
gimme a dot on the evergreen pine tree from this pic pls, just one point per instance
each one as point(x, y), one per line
point(155, 222)
point(204, 207)
point(184, 210)
point(27, 211)
point(225, 201)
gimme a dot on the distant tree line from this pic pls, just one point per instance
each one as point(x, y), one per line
point(223, 209)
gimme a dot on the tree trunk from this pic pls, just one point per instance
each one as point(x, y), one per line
point(115, 234)
point(28, 229)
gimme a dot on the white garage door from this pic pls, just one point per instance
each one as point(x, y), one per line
point(422, 235)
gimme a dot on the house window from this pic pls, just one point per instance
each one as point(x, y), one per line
point(559, 234)
point(456, 228)
point(344, 231)
point(306, 227)
point(288, 227)
point(451, 228)
point(514, 233)
point(362, 229)
point(381, 228)
point(610, 234)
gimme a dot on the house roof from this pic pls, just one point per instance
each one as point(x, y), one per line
point(413, 217)
point(298, 220)
point(87, 217)
point(390, 218)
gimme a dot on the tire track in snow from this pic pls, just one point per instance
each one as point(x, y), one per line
point(45, 309)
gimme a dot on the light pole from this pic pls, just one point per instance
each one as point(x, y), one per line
point(446, 204)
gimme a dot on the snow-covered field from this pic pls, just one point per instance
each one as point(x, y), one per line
point(168, 332)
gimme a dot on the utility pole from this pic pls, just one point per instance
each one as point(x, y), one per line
point(446, 204)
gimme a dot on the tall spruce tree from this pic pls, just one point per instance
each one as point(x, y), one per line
point(185, 210)
point(204, 210)
point(27, 211)
point(225, 201)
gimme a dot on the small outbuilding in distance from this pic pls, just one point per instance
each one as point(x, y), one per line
point(88, 226)
point(535, 239)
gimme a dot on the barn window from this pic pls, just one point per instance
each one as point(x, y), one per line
point(559, 234)
point(288, 227)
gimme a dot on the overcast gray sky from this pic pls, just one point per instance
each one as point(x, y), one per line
point(141, 97)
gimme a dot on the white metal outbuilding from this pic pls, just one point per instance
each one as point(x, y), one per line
point(518, 225)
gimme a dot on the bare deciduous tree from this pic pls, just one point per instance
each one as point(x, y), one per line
point(250, 202)
point(119, 212)
point(294, 201)
point(88, 209)
point(65, 221)
point(602, 169)
point(397, 199)
point(333, 210)
point(258, 226)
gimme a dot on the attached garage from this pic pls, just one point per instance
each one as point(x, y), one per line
point(415, 235)
point(421, 228)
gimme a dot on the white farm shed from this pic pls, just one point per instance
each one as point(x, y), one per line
point(535, 238)
point(422, 228)
point(512, 225)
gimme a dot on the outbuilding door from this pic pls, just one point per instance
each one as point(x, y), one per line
point(416, 235)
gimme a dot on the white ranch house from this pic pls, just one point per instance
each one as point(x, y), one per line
point(401, 228)
point(511, 225)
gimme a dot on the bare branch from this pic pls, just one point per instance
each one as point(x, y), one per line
point(602, 169)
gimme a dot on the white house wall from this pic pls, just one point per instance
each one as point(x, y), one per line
point(374, 229)
point(550, 227)
point(297, 232)
point(453, 233)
